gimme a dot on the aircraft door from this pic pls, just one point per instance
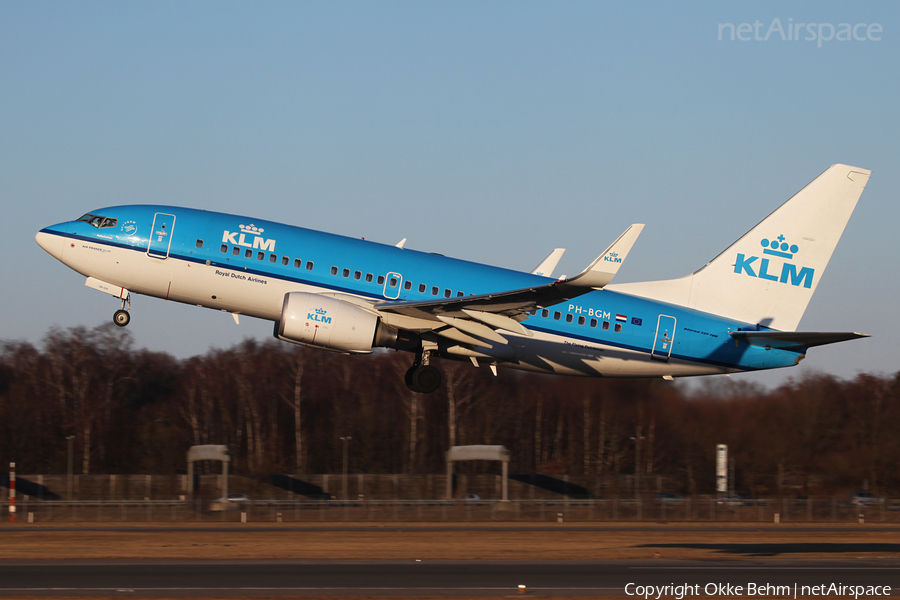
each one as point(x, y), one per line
point(161, 235)
point(664, 339)
point(392, 282)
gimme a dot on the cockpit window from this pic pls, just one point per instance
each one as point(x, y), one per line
point(98, 221)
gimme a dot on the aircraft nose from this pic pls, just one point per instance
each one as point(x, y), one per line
point(50, 240)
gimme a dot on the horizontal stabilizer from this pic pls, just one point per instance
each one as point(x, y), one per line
point(793, 340)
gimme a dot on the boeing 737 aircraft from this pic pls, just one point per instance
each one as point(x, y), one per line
point(738, 313)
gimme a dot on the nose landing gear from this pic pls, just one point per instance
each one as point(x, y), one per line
point(122, 317)
point(421, 376)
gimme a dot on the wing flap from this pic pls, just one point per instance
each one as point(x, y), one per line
point(458, 336)
point(498, 321)
point(473, 328)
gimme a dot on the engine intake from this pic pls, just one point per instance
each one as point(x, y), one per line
point(326, 322)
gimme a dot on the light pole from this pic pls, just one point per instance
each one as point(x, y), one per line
point(345, 439)
point(70, 439)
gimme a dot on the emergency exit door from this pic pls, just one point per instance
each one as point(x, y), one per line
point(665, 338)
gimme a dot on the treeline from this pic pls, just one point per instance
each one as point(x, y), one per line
point(282, 409)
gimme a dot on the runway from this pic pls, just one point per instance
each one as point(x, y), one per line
point(429, 578)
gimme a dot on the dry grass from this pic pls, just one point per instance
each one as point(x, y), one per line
point(408, 542)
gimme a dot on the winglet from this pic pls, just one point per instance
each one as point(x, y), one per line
point(545, 269)
point(602, 270)
point(400, 243)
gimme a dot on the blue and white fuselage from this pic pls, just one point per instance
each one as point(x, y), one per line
point(351, 295)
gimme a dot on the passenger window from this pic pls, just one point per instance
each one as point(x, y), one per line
point(345, 273)
point(380, 280)
point(593, 322)
point(393, 282)
point(447, 293)
point(236, 251)
point(407, 285)
point(297, 263)
point(199, 243)
point(569, 318)
point(272, 258)
point(248, 254)
point(605, 325)
point(421, 288)
point(224, 248)
point(357, 275)
point(309, 265)
point(557, 315)
point(459, 294)
point(545, 313)
point(285, 260)
point(581, 320)
point(368, 278)
point(260, 255)
point(334, 270)
point(618, 327)
point(434, 291)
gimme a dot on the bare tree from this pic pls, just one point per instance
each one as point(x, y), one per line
point(294, 402)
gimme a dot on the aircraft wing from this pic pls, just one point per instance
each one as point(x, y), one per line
point(481, 315)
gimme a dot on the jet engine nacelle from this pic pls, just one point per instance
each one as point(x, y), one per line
point(326, 322)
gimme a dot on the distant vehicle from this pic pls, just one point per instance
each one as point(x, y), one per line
point(733, 500)
point(865, 499)
point(468, 497)
point(234, 498)
point(228, 503)
point(668, 498)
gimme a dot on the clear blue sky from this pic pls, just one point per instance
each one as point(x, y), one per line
point(490, 131)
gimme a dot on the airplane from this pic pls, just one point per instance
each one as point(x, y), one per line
point(738, 313)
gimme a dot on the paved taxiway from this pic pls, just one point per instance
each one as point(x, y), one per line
point(434, 578)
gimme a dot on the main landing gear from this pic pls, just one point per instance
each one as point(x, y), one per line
point(122, 317)
point(421, 376)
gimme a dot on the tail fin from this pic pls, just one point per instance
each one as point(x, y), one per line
point(769, 275)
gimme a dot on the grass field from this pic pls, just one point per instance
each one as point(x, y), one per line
point(395, 541)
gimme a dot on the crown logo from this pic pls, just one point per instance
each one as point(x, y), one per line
point(251, 228)
point(321, 311)
point(779, 247)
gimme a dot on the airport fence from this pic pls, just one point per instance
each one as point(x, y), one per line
point(552, 511)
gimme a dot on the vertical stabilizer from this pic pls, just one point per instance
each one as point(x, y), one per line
point(769, 275)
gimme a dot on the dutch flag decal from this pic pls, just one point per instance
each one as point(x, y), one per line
point(622, 318)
